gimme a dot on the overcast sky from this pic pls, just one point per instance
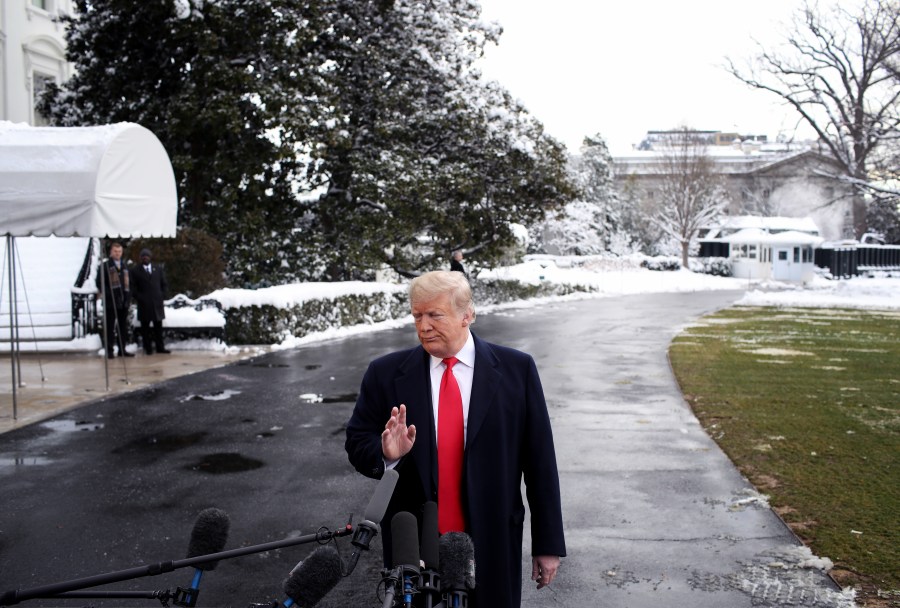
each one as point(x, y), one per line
point(623, 68)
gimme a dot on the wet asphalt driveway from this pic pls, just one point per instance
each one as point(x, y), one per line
point(655, 514)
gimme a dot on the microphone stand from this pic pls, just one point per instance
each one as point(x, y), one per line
point(404, 579)
point(63, 589)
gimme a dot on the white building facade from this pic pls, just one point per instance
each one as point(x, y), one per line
point(760, 179)
point(32, 55)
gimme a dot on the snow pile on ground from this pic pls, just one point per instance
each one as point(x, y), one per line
point(611, 276)
point(858, 292)
point(286, 296)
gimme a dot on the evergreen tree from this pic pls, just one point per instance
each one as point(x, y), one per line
point(214, 81)
point(323, 138)
point(421, 156)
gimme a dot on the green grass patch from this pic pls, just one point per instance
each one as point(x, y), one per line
point(806, 402)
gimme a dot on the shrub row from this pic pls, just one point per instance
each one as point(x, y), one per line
point(269, 324)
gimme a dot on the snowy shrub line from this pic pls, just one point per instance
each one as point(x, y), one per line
point(662, 263)
point(720, 267)
point(270, 324)
point(264, 323)
point(498, 291)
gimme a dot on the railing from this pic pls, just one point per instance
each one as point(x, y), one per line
point(85, 320)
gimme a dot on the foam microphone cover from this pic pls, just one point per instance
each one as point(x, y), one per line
point(457, 560)
point(405, 540)
point(209, 535)
point(378, 504)
point(314, 577)
point(430, 536)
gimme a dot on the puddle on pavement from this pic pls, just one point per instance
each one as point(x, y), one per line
point(345, 398)
point(228, 462)
point(24, 461)
point(317, 398)
point(68, 426)
point(162, 442)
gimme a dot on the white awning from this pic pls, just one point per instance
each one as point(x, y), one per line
point(108, 181)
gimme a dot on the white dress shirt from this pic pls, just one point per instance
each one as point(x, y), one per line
point(463, 372)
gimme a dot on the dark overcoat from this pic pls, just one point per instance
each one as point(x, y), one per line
point(149, 292)
point(508, 436)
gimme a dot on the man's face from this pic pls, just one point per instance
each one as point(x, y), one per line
point(145, 259)
point(442, 329)
point(115, 253)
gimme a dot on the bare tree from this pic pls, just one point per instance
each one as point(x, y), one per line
point(838, 71)
point(691, 194)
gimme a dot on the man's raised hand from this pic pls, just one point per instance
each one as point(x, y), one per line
point(397, 439)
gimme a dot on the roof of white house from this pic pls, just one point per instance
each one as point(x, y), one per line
point(788, 237)
point(727, 160)
point(770, 224)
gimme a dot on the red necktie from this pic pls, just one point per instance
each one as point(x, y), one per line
point(450, 447)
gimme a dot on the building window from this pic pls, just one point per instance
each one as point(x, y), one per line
point(782, 256)
point(796, 255)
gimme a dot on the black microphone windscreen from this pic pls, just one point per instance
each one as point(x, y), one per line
point(209, 535)
point(405, 540)
point(457, 561)
point(378, 504)
point(430, 535)
point(314, 577)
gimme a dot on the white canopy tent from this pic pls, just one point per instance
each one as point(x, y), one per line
point(108, 181)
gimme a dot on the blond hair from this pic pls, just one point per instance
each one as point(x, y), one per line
point(439, 282)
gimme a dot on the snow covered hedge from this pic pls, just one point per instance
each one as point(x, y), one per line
point(270, 315)
point(271, 324)
point(498, 291)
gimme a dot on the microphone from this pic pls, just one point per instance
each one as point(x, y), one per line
point(312, 578)
point(209, 535)
point(374, 513)
point(430, 583)
point(457, 561)
point(404, 577)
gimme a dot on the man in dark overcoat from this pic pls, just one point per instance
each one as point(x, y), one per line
point(114, 279)
point(149, 288)
point(507, 437)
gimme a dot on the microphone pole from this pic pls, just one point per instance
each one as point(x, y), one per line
point(404, 577)
point(430, 584)
point(209, 536)
point(15, 596)
point(368, 528)
point(313, 578)
point(457, 560)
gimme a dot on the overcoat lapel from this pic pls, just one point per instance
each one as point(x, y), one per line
point(413, 386)
point(485, 383)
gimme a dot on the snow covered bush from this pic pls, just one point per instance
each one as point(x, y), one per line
point(720, 267)
point(662, 263)
point(271, 324)
point(497, 291)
